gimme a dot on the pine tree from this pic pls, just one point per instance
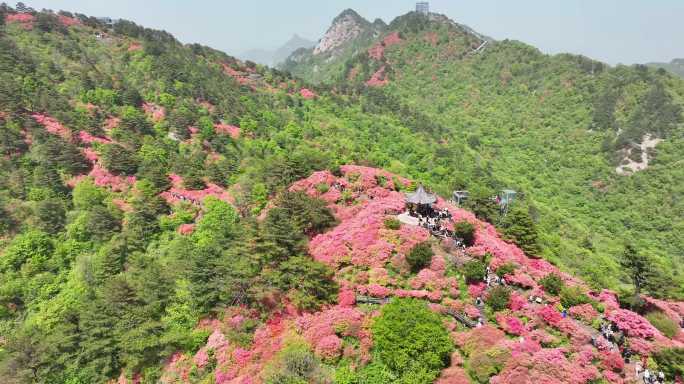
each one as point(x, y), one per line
point(282, 239)
point(520, 228)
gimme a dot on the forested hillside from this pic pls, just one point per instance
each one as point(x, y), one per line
point(596, 151)
point(112, 136)
point(171, 214)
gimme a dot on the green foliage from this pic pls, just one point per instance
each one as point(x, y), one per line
point(521, 229)
point(32, 249)
point(506, 269)
point(484, 364)
point(295, 364)
point(474, 271)
point(119, 160)
point(552, 284)
point(392, 223)
point(409, 339)
point(670, 361)
point(420, 256)
point(310, 215)
point(572, 296)
point(86, 195)
point(645, 273)
point(50, 215)
point(282, 237)
point(665, 325)
point(466, 231)
point(498, 297)
point(309, 283)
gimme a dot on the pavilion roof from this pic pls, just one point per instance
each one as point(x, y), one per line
point(420, 197)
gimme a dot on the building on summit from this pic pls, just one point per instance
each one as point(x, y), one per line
point(423, 7)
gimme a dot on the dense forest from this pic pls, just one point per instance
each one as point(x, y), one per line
point(145, 194)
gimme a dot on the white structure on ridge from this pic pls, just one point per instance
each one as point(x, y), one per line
point(423, 7)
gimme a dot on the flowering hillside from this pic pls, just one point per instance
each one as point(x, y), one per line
point(526, 342)
point(166, 213)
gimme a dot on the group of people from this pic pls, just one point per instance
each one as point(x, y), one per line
point(650, 377)
point(492, 279)
point(433, 223)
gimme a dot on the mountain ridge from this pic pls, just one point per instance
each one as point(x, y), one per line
point(463, 90)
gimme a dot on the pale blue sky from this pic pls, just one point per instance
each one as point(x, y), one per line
point(615, 31)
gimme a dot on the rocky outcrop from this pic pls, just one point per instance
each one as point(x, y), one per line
point(346, 27)
point(628, 166)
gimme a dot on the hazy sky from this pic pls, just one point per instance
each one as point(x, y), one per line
point(615, 31)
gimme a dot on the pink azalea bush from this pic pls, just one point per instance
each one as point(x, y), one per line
point(633, 324)
point(227, 129)
point(24, 18)
point(87, 138)
point(68, 21)
point(479, 339)
point(378, 79)
point(135, 46)
point(612, 361)
point(323, 330)
point(550, 315)
point(186, 229)
point(585, 312)
point(307, 93)
point(155, 112)
point(177, 193)
point(52, 125)
point(511, 324)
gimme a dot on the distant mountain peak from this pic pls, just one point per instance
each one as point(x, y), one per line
point(346, 27)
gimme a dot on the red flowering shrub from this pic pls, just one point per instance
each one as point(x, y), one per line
point(103, 178)
point(521, 279)
point(135, 46)
point(476, 290)
point(329, 346)
point(376, 52)
point(322, 329)
point(346, 298)
point(453, 375)
point(669, 309)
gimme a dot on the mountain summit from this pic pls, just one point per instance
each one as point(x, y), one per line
point(346, 27)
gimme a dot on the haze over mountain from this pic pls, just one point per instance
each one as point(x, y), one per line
point(675, 66)
point(276, 56)
point(172, 214)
